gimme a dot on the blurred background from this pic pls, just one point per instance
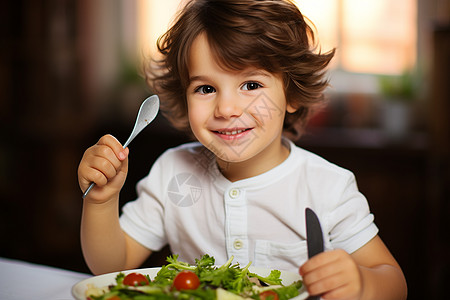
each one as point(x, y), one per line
point(70, 72)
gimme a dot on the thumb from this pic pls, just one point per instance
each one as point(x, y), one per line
point(123, 155)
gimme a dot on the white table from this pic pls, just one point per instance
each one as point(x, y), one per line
point(21, 280)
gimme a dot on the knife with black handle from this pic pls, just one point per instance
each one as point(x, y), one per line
point(314, 237)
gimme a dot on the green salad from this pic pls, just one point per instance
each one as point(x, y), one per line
point(204, 280)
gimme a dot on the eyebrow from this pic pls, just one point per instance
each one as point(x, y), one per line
point(250, 73)
point(257, 72)
point(198, 78)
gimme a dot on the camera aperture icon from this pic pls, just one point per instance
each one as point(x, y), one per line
point(184, 189)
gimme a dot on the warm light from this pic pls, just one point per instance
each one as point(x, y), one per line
point(379, 36)
point(371, 36)
point(154, 18)
point(323, 15)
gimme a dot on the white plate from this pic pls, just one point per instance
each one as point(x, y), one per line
point(79, 289)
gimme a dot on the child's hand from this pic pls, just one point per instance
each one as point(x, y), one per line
point(106, 164)
point(333, 275)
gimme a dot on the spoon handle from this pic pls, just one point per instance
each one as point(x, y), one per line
point(88, 190)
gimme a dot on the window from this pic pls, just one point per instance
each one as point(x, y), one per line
point(371, 36)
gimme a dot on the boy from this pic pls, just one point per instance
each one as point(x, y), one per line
point(237, 74)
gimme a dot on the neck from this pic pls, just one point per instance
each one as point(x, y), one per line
point(260, 163)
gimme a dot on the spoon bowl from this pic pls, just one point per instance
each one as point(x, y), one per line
point(146, 114)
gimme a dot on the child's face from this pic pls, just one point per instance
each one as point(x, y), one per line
point(238, 115)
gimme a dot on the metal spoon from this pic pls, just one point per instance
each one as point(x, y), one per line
point(147, 113)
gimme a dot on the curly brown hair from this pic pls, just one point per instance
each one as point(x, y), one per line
point(268, 34)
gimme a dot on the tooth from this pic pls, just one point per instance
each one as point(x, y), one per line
point(233, 132)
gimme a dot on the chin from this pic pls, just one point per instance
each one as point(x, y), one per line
point(233, 155)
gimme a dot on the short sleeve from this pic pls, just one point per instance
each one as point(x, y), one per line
point(350, 222)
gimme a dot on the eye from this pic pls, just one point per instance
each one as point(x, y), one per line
point(205, 89)
point(248, 86)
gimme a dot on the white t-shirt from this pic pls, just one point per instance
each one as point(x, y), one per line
point(187, 203)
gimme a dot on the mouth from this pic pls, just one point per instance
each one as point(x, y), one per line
point(232, 133)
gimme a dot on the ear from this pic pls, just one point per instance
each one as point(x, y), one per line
point(290, 109)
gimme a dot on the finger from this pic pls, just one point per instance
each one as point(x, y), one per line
point(104, 154)
point(124, 154)
point(97, 177)
point(322, 272)
point(316, 262)
point(108, 164)
point(342, 292)
point(124, 165)
point(115, 145)
point(107, 168)
point(99, 171)
point(99, 164)
point(327, 264)
point(88, 175)
point(326, 284)
point(324, 258)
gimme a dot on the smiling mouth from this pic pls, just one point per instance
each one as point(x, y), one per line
point(232, 132)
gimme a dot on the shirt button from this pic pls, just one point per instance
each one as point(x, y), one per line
point(238, 244)
point(234, 193)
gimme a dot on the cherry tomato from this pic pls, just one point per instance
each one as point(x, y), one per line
point(135, 279)
point(268, 295)
point(186, 280)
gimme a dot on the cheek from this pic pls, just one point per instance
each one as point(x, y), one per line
point(269, 110)
point(196, 115)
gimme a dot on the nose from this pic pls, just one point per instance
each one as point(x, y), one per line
point(228, 105)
